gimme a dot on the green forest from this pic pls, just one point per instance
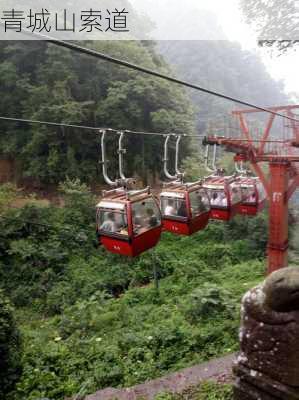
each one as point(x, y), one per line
point(73, 318)
point(89, 319)
point(42, 82)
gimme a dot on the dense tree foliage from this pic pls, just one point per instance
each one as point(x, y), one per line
point(273, 20)
point(91, 319)
point(10, 348)
point(42, 82)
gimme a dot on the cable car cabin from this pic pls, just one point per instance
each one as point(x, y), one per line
point(128, 223)
point(253, 196)
point(225, 196)
point(185, 208)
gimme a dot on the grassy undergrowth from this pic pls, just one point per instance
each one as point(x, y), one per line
point(90, 319)
point(102, 340)
point(206, 391)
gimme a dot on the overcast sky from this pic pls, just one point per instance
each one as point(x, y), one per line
point(179, 20)
point(173, 15)
point(283, 67)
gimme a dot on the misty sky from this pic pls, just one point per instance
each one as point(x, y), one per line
point(230, 17)
point(190, 19)
point(231, 22)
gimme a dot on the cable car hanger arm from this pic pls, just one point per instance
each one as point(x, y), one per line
point(109, 181)
point(121, 151)
point(214, 167)
point(165, 159)
point(177, 148)
point(125, 182)
point(178, 174)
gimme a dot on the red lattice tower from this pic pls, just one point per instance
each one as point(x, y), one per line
point(282, 156)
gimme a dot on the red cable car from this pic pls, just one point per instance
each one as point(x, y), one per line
point(185, 207)
point(225, 196)
point(128, 222)
point(253, 196)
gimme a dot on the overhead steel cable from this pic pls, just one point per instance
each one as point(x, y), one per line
point(65, 125)
point(31, 222)
point(61, 124)
point(56, 228)
point(157, 74)
point(98, 129)
point(148, 71)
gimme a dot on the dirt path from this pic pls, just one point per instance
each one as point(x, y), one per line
point(218, 370)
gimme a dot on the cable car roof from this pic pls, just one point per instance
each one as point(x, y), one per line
point(180, 187)
point(178, 195)
point(252, 179)
point(248, 181)
point(214, 186)
point(219, 182)
point(111, 205)
point(247, 185)
point(118, 198)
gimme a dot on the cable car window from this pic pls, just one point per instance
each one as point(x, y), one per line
point(218, 198)
point(112, 221)
point(246, 191)
point(173, 207)
point(250, 196)
point(235, 194)
point(145, 215)
point(261, 191)
point(199, 202)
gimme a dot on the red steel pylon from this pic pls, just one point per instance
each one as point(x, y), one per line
point(283, 177)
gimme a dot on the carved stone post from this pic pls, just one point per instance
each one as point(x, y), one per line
point(267, 367)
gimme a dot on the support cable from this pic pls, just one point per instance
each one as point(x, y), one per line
point(96, 54)
point(98, 129)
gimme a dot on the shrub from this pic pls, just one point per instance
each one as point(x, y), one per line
point(10, 348)
point(8, 194)
point(205, 391)
point(207, 301)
